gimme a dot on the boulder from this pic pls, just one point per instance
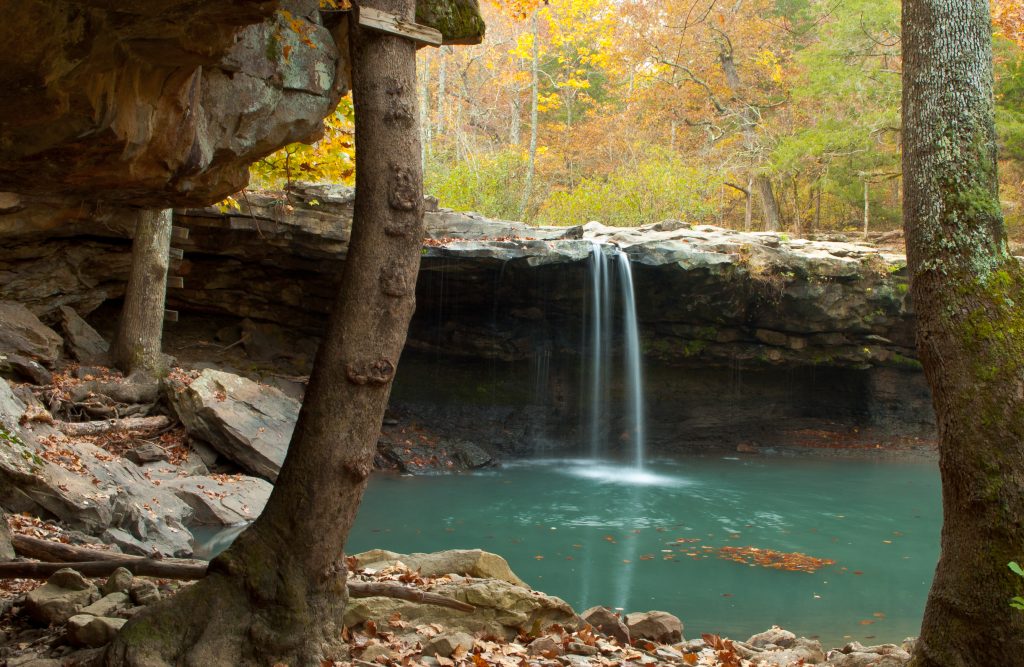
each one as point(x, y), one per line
point(466, 562)
point(222, 501)
point(119, 581)
point(855, 654)
point(147, 452)
point(82, 341)
point(503, 609)
point(546, 646)
point(144, 592)
point(656, 626)
point(608, 622)
point(93, 631)
point(774, 636)
point(248, 423)
point(21, 333)
point(61, 597)
point(19, 367)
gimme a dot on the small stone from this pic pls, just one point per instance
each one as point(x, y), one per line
point(146, 453)
point(575, 660)
point(119, 581)
point(608, 622)
point(581, 649)
point(544, 646)
point(374, 651)
point(444, 645)
point(92, 631)
point(144, 592)
point(657, 626)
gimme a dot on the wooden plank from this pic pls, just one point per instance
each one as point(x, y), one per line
point(175, 282)
point(179, 233)
point(374, 19)
point(177, 253)
point(170, 316)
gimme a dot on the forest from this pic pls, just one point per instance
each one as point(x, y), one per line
point(758, 114)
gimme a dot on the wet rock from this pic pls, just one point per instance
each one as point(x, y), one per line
point(247, 423)
point(62, 596)
point(467, 562)
point(223, 501)
point(656, 626)
point(608, 622)
point(803, 652)
point(144, 592)
point(445, 644)
point(92, 631)
point(22, 334)
point(82, 341)
point(119, 581)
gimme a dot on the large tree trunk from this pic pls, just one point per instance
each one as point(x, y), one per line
point(278, 593)
point(137, 346)
point(968, 292)
point(769, 204)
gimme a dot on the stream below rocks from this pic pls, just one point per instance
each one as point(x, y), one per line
point(729, 545)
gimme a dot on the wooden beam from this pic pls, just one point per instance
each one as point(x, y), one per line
point(179, 233)
point(375, 19)
point(175, 282)
point(177, 253)
point(170, 316)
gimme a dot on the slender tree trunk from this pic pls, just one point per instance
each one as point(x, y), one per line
point(798, 222)
point(442, 88)
point(516, 130)
point(867, 207)
point(278, 593)
point(137, 346)
point(425, 110)
point(967, 291)
point(817, 209)
point(748, 213)
point(531, 165)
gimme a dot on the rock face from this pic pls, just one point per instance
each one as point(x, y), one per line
point(247, 423)
point(159, 105)
point(22, 334)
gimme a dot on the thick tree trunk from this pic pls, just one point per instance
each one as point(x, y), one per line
point(769, 205)
point(137, 346)
point(278, 593)
point(968, 293)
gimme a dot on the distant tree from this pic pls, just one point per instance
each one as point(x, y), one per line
point(968, 292)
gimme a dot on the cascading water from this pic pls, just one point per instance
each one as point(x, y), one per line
point(601, 334)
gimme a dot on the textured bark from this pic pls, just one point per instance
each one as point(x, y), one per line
point(769, 204)
point(531, 165)
point(278, 593)
point(968, 292)
point(113, 425)
point(140, 331)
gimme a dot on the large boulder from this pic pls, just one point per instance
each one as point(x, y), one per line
point(224, 500)
point(22, 334)
point(93, 631)
point(607, 622)
point(503, 609)
point(61, 597)
point(657, 626)
point(248, 423)
point(82, 341)
point(465, 562)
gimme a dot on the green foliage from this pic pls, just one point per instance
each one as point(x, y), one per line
point(491, 185)
point(1017, 602)
point(661, 187)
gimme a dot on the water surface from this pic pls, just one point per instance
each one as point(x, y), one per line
point(606, 533)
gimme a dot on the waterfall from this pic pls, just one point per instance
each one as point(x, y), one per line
point(600, 357)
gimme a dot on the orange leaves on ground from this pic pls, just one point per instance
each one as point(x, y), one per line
point(777, 560)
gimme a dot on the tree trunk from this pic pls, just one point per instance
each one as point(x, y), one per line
point(769, 205)
point(531, 165)
point(137, 346)
point(867, 207)
point(277, 595)
point(748, 211)
point(967, 293)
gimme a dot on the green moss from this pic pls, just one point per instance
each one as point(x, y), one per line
point(694, 348)
point(459, 21)
point(901, 361)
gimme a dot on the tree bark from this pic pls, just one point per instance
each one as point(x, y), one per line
point(278, 593)
point(137, 346)
point(967, 292)
point(113, 425)
point(769, 205)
